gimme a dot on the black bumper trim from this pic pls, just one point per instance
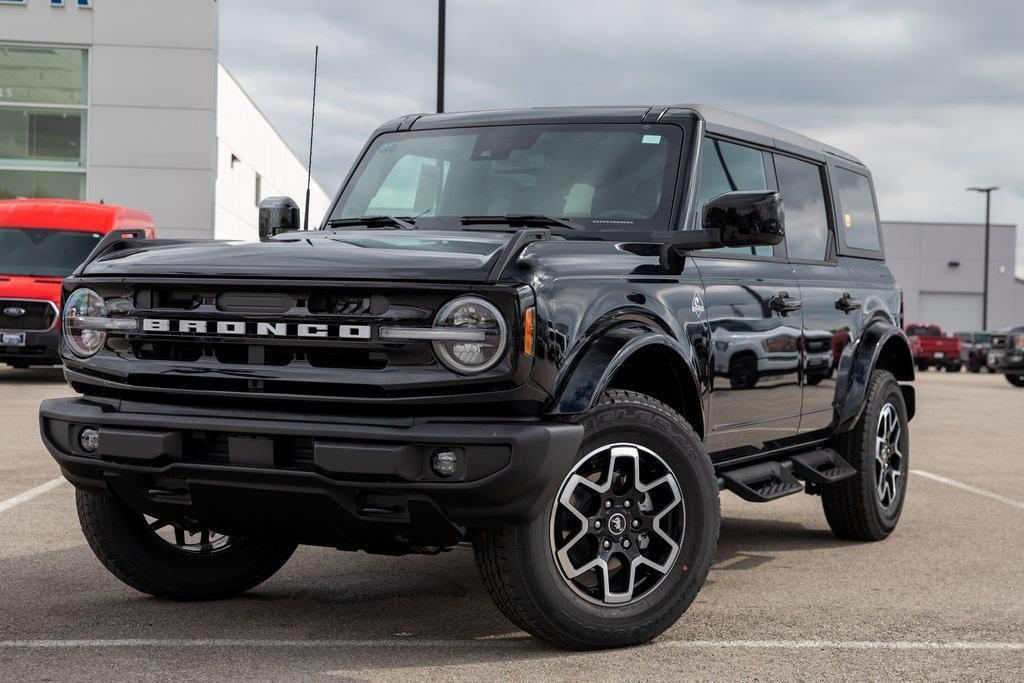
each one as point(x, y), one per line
point(514, 491)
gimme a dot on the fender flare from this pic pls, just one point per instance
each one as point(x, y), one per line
point(880, 336)
point(589, 375)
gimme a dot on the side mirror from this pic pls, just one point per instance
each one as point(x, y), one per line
point(277, 215)
point(745, 219)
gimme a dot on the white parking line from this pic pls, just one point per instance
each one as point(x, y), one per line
point(492, 643)
point(967, 487)
point(30, 494)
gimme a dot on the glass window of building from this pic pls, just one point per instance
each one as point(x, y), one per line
point(42, 122)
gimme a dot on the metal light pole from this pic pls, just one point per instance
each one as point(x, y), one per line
point(984, 292)
point(440, 55)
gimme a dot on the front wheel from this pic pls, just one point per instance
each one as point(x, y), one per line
point(867, 506)
point(1015, 380)
point(168, 560)
point(627, 540)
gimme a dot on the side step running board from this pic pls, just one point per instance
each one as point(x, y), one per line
point(821, 466)
point(762, 482)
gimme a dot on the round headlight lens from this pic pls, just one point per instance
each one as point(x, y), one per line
point(485, 337)
point(83, 303)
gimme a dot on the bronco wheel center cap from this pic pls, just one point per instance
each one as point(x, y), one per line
point(617, 523)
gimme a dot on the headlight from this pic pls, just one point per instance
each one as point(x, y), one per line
point(1019, 342)
point(478, 335)
point(85, 322)
point(82, 305)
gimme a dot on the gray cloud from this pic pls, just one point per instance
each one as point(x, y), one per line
point(929, 93)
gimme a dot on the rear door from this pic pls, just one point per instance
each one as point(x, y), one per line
point(754, 402)
point(830, 304)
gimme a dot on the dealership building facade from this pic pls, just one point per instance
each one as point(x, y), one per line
point(125, 101)
point(940, 267)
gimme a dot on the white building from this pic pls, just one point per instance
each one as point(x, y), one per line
point(940, 267)
point(124, 101)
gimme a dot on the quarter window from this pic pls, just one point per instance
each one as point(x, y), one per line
point(859, 221)
point(727, 167)
point(803, 201)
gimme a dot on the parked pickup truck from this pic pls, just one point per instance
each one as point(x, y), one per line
point(932, 348)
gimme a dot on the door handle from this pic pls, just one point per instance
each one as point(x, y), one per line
point(784, 303)
point(847, 303)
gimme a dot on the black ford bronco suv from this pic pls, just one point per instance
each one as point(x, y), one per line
point(556, 334)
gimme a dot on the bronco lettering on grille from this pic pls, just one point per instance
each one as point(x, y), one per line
point(256, 328)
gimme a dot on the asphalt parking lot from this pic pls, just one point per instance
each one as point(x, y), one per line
point(943, 598)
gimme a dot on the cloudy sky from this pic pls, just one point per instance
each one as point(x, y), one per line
point(928, 93)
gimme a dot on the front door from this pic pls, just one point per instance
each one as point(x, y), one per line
point(752, 306)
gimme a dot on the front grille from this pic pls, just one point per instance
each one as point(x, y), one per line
point(355, 307)
point(262, 340)
point(28, 315)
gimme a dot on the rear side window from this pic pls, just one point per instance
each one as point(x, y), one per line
point(727, 167)
point(803, 201)
point(859, 222)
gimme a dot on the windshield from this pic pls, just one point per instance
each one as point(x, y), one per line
point(609, 176)
point(42, 251)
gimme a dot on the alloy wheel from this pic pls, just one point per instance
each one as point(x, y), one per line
point(192, 541)
point(888, 456)
point(617, 524)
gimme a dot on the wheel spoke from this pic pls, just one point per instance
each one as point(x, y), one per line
point(157, 524)
point(179, 535)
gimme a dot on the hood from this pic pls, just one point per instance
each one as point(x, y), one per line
point(30, 287)
point(449, 256)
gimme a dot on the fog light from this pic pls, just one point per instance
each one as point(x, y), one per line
point(444, 463)
point(89, 439)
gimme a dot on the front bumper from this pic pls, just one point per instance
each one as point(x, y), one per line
point(344, 483)
point(1011, 361)
point(40, 349)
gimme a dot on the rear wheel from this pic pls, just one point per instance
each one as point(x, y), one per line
point(955, 367)
point(627, 540)
point(922, 367)
point(1015, 380)
point(867, 506)
point(169, 560)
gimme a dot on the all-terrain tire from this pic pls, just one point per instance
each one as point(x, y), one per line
point(854, 507)
point(1015, 380)
point(124, 543)
point(518, 563)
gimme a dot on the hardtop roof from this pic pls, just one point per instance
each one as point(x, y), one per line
point(716, 121)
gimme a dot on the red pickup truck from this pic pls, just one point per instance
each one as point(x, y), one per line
point(932, 348)
point(41, 242)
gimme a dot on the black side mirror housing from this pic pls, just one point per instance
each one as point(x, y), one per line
point(277, 215)
point(746, 219)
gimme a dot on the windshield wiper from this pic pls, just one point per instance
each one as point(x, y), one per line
point(375, 222)
point(525, 219)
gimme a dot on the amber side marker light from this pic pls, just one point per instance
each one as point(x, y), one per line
point(528, 319)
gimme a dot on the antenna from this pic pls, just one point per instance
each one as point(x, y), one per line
point(441, 12)
point(312, 122)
